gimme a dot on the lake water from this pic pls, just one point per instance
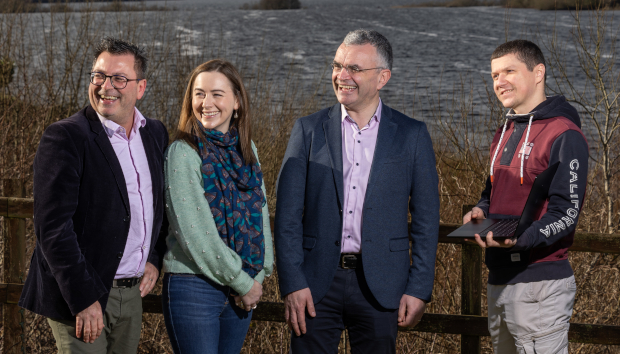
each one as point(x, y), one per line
point(434, 48)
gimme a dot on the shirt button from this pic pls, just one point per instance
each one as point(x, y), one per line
point(349, 236)
point(357, 164)
point(119, 255)
point(353, 187)
point(337, 243)
point(359, 141)
point(360, 133)
point(350, 212)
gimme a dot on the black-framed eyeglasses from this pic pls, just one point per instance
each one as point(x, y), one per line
point(118, 82)
point(351, 69)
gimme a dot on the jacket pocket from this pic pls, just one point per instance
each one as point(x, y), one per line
point(309, 242)
point(399, 244)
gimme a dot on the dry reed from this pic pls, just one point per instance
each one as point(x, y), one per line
point(54, 86)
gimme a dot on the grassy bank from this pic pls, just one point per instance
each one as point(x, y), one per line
point(452, 3)
point(35, 97)
point(528, 4)
point(562, 4)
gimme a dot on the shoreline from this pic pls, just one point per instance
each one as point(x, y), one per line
point(544, 5)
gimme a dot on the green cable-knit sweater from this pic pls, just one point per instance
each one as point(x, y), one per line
point(194, 245)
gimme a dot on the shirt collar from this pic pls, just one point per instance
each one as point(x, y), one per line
point(376, 116)
point(111, 127)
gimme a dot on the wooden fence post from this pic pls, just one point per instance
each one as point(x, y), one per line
point(471, 289)
point(14, 253)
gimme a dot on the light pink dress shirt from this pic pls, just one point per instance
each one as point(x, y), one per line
point(135, 166)
point(358, 150)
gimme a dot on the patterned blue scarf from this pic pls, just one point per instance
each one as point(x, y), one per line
point(233, 190)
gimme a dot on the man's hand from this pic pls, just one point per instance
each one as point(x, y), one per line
point(295, 305)
point(90, 320)
point(475, 213)
point(151, 274)
point(488, 241)
point(410, 311)
point(250, 300)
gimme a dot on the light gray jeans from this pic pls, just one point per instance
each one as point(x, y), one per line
point(531, 318)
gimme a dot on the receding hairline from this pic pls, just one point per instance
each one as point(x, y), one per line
point(116, 46)
point(377, 56)
point(381, 44)
point(133, 65)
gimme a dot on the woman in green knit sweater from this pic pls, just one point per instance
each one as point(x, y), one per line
point(219, 239)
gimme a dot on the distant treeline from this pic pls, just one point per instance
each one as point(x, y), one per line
point(531, 4)
point(20, 6)
point(272, 5)
point(561, 4)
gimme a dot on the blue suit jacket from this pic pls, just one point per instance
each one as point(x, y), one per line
point(308, 225)
point(81, 214)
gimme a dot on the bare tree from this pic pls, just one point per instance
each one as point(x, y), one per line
point(593, 39)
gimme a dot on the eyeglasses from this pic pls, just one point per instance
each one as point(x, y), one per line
point(118, 82)
point(352, 70)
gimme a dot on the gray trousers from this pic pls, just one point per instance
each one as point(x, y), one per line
point(121, 335)
point(531, 318)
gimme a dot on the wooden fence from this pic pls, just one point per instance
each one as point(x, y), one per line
point(469, 324)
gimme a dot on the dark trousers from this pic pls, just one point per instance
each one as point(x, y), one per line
point(348, 304)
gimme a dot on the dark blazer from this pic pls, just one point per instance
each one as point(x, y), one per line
point(308, 225)
point(81, 214)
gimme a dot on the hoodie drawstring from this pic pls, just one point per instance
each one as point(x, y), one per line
point(501, 137)
point(527, 136)
point(525, 143)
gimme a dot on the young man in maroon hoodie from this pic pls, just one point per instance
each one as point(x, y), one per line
point(531, 287)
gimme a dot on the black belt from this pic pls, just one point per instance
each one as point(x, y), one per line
point(125, 283)
point(350, 260)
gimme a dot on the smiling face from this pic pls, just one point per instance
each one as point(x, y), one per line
point(516, 86)
point(214, 100)
point(357, 91)
point(111, 103)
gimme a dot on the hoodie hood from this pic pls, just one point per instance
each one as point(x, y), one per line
point(553, 106)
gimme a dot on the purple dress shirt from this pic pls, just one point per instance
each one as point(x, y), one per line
point(135, 166)
point(358, 150)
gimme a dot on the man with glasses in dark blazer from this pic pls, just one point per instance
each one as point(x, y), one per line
point(98, 210)
point(351, 175)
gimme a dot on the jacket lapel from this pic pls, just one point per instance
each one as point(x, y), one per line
point(151, 149)
point(104, 144)
point(333, 138)
point(383, 147)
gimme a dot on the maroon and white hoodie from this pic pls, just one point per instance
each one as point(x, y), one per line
point(553, 133)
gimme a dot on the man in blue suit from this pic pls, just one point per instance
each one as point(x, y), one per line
point(350, 176)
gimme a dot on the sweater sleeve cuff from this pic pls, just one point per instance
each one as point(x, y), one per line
point(485, 208)
point(260, 277)
point(242, 284)
point(523, 242)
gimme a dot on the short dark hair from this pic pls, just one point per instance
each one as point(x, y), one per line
point(527, 52)
point(376, 39)
point(117, 46)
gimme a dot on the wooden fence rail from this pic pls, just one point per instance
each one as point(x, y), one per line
point(469, 324)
